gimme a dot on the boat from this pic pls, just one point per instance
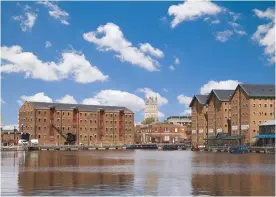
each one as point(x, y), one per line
point(141, 146)
point(239, 149)
point(174, 147)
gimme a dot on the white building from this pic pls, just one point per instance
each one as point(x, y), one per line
point(180, 120)
point(151, 109)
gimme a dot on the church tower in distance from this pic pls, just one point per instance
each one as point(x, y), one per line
point(151, 109)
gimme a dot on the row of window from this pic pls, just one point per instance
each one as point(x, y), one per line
point(260, 105)
point(85, 137)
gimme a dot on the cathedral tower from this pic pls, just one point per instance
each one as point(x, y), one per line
point(151, 110)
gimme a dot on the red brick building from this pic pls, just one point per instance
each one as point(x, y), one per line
point(58, 123)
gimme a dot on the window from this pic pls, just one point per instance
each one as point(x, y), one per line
point(95, 136)
point(38, 112)
point(80, 114)
point(90, 137)
point(39, 120)
point(254, 122)
point(80, 120)
point(68, 128)
point(62, 128)
point(225, 125)
point(259, 113)
point(90, 129)
point(68, 113)
point(260, 105)
point(84, 114)
point(81, 128)
point(85, 138)
point(58, 113)
point(90, 121)
point(44, 119)
point(265, 105)
point(106, 129)
point(271, 114)
point(254, 104)
point(62, 113)
point(265, 114)
point(270, 105)
point(80, 136)
point(254, 130)
point(253, 113)
point(175, 130)
point(260, 122)
point(39, 128)
point(166, 129)
point(44, 112)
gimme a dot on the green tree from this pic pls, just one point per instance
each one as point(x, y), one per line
point(148, 121)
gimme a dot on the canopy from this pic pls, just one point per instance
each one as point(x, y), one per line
point(265, 136)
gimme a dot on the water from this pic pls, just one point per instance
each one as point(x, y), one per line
point(136, 172)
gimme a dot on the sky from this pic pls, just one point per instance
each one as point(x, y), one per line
point(118, 53)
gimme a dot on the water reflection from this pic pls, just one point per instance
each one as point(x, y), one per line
point(136, 173)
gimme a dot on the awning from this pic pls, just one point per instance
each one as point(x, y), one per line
point(265, 136)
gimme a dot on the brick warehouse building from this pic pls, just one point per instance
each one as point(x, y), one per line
point(237, 112)
point(57, 123)
point(252, 105)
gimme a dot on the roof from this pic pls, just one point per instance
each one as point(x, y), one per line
point(269, 123)
point(80, 107)
point(222, 95)
point(179, 117)
point(259, 90)
point(200, 98)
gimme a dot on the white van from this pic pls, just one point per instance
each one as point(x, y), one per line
point(22, 142)
point(34, 141)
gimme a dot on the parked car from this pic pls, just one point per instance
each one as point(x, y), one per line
point(22, 142)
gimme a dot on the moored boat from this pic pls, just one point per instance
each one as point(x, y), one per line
point(239, 149)
point(141, 146)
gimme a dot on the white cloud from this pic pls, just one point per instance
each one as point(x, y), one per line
point(67, 99)
point(187, 112)
point(223, 36)
point(71, 65)
point(147, 48)
point(56, 12)
point(171, 67)
point(233, 24)
point(48, 44)
point(240, 32)
point(109, 37)
point(164, 19)
point(192, 10)
point(160, 114)
point(2, 101)
point(165, 90)
point(38, 97)
point(116, 98)
point(215, 21)
point(150, 93)
point(226, 85)
point(176, 60)
point(186, 100)
point(265, 34)
point(10, 127)
point(27, 20)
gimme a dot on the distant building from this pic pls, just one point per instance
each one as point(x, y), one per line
point(58, 123)
point(9, 136)
point(162, 133)
point(180, 120)
point(151, 108)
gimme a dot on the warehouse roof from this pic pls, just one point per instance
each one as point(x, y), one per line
point(200, 98)
point(259, 90)
point(80, 107)
point(222, 95)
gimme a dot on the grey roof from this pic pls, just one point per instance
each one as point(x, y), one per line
point(80, 107)
point(259, 90)
point(200, 98)
point(222, 95)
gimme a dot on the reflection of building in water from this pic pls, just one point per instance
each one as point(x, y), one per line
point(230, 177)
point(68, 171)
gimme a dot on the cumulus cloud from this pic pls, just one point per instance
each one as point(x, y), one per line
point(109, 37)
point(223, 36)
point(187, 112)
point(38, 97)
point(150, 93)
point(165, 90)
point(226, 85)
point(160, 114)
point(48, 44)
point(56, 12)
point(71, 65)
point(265, 34)
point(215, 21)
point(171, 67)
point(176, 60)
point(116, 98)
point(192, 10)
point(185, 100)
point(147, 48)
point(27, 20)
point(67, 99)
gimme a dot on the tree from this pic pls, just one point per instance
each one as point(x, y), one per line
point(148, 121)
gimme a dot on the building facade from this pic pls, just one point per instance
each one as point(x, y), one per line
point(151, 108)
point(180, 120)
point(252, 105)
point(57, 123)
point(219, 112)
point(163, 133)
point(199, 121)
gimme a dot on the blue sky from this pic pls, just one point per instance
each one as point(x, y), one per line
point(97, 56)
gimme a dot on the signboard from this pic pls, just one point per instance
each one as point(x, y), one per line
point(219, 130)
point(193, 131)
point(244, 127)
point(200, 130)
point(210, 130)
point(234, 128)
